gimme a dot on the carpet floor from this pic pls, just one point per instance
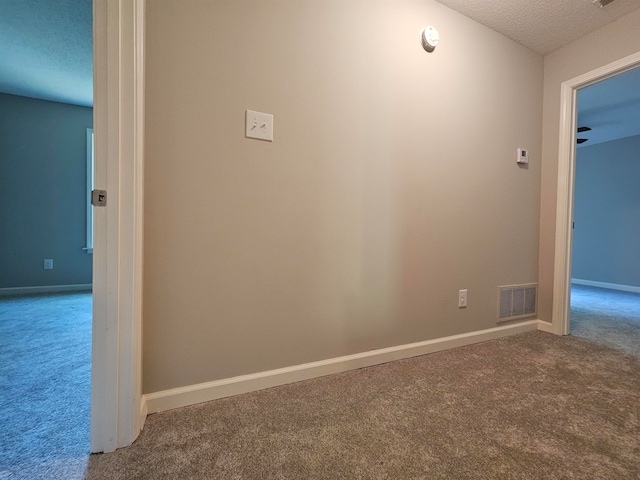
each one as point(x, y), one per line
point(530, 406)
point(608, 317)
point(45, 386)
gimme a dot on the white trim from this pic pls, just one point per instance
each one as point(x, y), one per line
point(204, 392)
point(610, 286)
point(545, 326)
point(144, 411)
point(566, 169)
point(564, 209)
point(138, 212)
point(117, 260)
point(84, 287)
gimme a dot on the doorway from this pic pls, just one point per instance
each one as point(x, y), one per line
point(117, 411)
point(45, 267)
point(566, 185)
point(605, 285)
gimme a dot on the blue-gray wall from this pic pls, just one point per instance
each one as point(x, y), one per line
point(42, 192)
point(606, 246)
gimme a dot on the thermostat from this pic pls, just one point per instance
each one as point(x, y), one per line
point(523, 155)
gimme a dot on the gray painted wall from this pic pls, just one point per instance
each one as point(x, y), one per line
point(607, 213)
point(42, 192)
point(391, 183)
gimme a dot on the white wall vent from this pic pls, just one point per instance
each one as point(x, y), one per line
point(517, 301)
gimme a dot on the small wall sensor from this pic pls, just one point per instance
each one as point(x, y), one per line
point(523, 155)
point(430, 38)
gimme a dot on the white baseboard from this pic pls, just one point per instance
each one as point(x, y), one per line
point(546, 327)
point(45, 289)
point(611, 286)
point(204, 392)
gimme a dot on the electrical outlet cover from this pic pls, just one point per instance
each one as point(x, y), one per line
point(462, 298)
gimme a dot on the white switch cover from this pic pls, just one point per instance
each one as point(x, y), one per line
point(48, 263)
point(259, 125)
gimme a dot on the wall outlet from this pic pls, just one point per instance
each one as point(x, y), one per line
point(48, 263)
point(462, 298)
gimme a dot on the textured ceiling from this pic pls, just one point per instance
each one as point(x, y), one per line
point(46, 50)
point(542, 25)
point(610, 108)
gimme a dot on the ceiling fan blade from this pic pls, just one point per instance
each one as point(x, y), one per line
point(582, 140)
point(584, 129)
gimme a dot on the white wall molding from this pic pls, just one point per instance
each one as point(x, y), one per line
point(545, 326)
point(144, 411)
point(610, 286)
point(4, 292)
point(204, 392)
point(566, 184)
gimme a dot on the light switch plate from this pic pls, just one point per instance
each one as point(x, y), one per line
point(259, 126)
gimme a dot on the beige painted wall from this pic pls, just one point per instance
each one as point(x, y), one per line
point(391, 183)
point(608, 44)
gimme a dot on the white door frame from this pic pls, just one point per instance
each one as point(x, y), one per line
point(566, 184)
point(116, 409)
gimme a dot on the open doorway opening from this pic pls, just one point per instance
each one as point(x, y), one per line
point(46, 266)
point(118, 409)
point(605, 272)
point(566, 184)
point(45, 283)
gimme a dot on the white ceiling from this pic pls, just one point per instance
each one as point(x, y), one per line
point(610, 108)
point(542, 25)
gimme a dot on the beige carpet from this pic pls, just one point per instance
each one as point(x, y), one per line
point(524, 407)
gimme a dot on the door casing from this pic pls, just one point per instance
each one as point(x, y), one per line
point(117, 415)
